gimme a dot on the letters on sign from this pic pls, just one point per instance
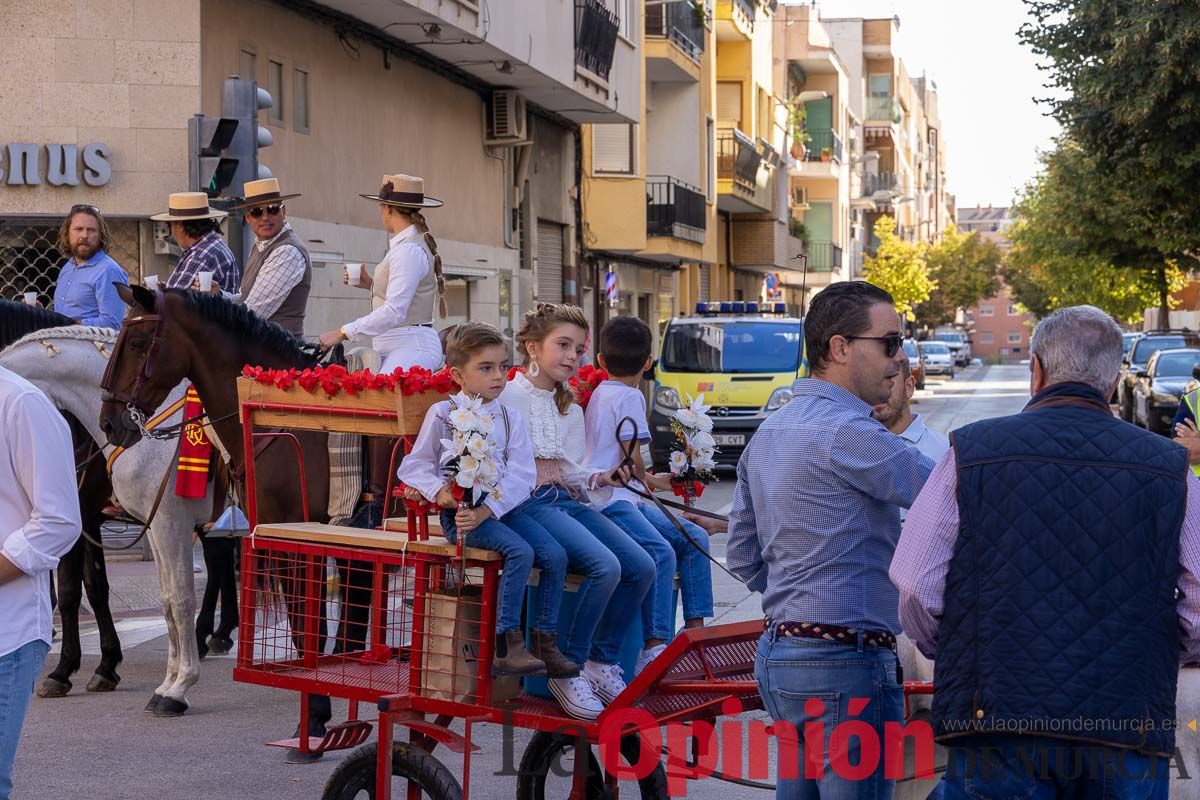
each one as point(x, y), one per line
point(23, 164)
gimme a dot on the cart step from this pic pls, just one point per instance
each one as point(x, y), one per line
point(342, 736)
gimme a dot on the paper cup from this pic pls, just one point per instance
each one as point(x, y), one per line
point(31, 298)
point(354, 273)
point(151, 282)
point(205, 279)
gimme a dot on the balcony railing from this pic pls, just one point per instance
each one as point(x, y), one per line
point(595, 36)
point(738, 158)
point(747, 7)
point(674, 208)
point(677, 22)
point(879, 182)
point(824, 256)
point(821, 139)
point(880, 108)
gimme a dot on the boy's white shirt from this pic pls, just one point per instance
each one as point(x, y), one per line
point(422, 467)
point(611, 402)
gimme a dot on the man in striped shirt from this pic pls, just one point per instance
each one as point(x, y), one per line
point(814, 522)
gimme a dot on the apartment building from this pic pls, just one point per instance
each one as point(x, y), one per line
point(999, 328)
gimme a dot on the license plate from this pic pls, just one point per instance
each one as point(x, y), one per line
point(730, 439)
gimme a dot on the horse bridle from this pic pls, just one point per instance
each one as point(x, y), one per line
point(131, 399)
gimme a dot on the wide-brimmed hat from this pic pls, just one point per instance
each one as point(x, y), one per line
point(183, 206)
point(404, 191)
point(262, 193)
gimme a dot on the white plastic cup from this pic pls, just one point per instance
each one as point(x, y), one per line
point(151, 282)
point(31, 298)
point(205, 279)
point(354, 273)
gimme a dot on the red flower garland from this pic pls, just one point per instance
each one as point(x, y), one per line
point(335, 379)
point(582, 385)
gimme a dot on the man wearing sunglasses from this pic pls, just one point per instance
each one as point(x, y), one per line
point(278, 274)
point(813, 524)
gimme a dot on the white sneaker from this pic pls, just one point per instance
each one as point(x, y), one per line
point(576, 697)
point(605, 680)
point(646, 657)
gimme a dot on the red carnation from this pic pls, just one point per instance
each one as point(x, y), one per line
point(512, 372)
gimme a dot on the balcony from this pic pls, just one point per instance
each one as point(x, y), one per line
point(678, 23)
point(674, 208)
point(824, 257)
point(883, 109)
point(874, 183)
point(595, 37)
point(735, 20)
point(738, 158)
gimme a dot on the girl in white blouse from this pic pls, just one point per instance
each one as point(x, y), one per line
point(617, 571)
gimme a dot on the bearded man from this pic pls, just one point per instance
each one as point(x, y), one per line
point(85, 291)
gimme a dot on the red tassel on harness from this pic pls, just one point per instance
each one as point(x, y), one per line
point(191, 476)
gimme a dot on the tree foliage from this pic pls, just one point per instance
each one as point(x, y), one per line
point(899, 267)
point(966, 268)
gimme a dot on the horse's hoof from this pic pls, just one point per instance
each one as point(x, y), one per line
point(170, 707)
point(220, 645)
point(101, 683)
point(153, 704)
point(51, 687)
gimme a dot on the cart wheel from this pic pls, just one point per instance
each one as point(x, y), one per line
point(546, 749)
point(354, 778)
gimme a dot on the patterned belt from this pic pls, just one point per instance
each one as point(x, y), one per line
point(833, 633)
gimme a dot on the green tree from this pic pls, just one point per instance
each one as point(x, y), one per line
point(966, 269)
point(899, 268)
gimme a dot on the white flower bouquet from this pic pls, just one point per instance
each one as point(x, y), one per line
point(469, 456)
point(692, 465)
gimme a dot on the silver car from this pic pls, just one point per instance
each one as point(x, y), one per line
point(938, 358)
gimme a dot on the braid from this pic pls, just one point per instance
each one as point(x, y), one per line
point(537, 326)
point(418, 219)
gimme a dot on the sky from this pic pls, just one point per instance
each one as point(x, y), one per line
point(986, 83)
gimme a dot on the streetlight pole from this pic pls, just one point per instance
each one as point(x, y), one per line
point(803, 283)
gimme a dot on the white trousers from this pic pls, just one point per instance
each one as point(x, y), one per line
point(407, 347)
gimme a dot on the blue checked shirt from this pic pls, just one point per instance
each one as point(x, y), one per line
point(208, 254)
point(815, 515)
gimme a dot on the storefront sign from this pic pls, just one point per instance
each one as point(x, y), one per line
point(23, 164)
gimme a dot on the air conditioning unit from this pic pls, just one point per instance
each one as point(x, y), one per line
point(506, 119)
point(799, 197)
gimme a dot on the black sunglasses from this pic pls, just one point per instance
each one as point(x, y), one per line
point(273, 210)
point(891, 343)
point(84, 207)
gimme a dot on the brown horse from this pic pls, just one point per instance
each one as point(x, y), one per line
point(173, 336)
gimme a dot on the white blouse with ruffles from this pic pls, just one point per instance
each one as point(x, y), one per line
point(555, 437)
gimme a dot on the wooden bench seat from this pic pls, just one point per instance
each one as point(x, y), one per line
point(343, 536)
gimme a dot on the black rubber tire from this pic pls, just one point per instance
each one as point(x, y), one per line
point(544, 749)
point(357, 774)
point(1126, 407)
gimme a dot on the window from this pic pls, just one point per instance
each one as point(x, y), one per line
point(985, 337)
point(729, 103)
point(300, 104)
point(612, 149)
point(986, 311)
point(510, 212)
point(625, 17)
point(1014, 337)
point(710, 163)
point(247, 64)
point(1013, 311)
point(879, 85)
point(275, 87)
point(764, 115)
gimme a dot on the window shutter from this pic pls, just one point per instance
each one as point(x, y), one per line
point(550, 262)
point(729, 103)
point(611, 149)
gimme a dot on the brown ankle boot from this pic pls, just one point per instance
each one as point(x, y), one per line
point(512, 658)
point(545, 647)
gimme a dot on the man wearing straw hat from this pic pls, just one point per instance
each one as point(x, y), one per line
point(197, 229)
point(278, 273)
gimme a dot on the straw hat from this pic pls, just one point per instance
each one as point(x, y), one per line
point(262, 193)
point(183, 206)
point(403, 191)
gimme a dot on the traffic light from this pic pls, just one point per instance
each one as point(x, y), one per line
point(212, 164)
point(241, 100)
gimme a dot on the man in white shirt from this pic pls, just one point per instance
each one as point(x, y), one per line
point(896, 415)
point(39, 523)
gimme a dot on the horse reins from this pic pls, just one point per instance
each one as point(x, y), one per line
point(107, 392)
point(628, 447)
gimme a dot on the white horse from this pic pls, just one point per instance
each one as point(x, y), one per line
point(68, 364)
point(1187, 710)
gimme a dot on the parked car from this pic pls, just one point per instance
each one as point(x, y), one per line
point(1127, 340)
point(938, 358)
point(1160, 386)
point(957, 341)
point(915, 364)
point(1140, 351)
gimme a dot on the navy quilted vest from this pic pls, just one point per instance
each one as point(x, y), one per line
point(1060, 603)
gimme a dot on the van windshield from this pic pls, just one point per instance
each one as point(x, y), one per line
point(732, 346)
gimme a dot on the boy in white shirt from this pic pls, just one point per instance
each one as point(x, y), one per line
point(476, 354)
point(625, 344)
point(39, 523)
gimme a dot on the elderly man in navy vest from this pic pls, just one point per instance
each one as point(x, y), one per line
point(1050, 567)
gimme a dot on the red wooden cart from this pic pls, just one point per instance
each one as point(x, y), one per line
point(429, 624)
